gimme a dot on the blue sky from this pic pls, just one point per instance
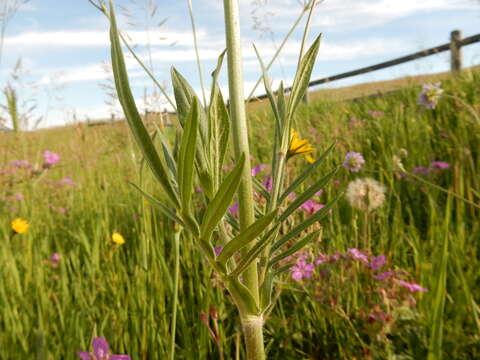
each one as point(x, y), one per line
point(64, 45)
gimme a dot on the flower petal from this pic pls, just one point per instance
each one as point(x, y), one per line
point(84, 355)
point(100, 348)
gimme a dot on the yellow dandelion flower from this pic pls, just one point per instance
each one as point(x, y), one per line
point(117, 238)
point(20, 226)
point(310, 159)
point(298, 146)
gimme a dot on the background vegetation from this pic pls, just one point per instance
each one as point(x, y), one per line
point(124, 292)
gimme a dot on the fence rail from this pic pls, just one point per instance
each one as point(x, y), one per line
point(455, 45)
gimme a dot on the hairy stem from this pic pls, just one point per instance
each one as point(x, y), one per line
point(173, 325)
point(252, 329)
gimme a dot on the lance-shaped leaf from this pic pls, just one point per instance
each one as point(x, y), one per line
point(306, 173)
point(219, 130)
point(266, 291)
point(302, 77)
point(162, 207)
point(294, 248)
point(245, 237)
point(255, 252)
point(307, 194)
point(222, 200)
point(319, 215)
point(184, 96)
point(216, 72)
point(186, 158)
point(242, 296)
point(167, 153)
point(260, 188)
point(266, 80)
point(131, 113)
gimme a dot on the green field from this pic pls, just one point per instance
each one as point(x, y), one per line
point(124, 292)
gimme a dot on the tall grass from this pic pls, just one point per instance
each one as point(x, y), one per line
point(126, 292)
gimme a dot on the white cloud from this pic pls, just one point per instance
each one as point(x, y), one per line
point(83, 39)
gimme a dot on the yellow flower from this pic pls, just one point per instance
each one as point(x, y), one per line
point(20, 226)
point(298, 146)
point(117, 238)
point(309, 159)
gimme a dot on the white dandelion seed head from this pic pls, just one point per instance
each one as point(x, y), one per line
point(365, 194)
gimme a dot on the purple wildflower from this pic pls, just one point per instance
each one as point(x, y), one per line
point(66, 181)
point(257, 169)
point(292, 196)
point(378, 316)
point(234, 209)
point(442, 165)
point(353, 161)
point(55, 259)
point(358, 255)
point(302, 270)
point(384, 275)
point(218, 250)
point(50, 158)
point(377, 262)
point(311, 207)
point(101, 351)
point(430, 95)
point(412, 287)
point(422, 170)
point(268, 183)
point(23, 164)
point(320, 259)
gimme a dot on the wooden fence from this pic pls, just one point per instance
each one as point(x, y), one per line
point(454, 46)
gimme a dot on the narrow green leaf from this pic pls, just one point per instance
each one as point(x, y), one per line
point(266, 291)
point(223, 198)
point(219, 130)
point(206, 183)
point(260, 188)
point(266, 80)
point(167, 153)
point(162, 207)
point(242, 296)
point(245, 237)
point(294, 248)
point(306, 173)
point(302, 77)
point(282, 269)
point(320, 214)
point(254, 252)
point(187, 156)
point(307, 194)
point(131, 113)
point(216, 72)
point(438, 303)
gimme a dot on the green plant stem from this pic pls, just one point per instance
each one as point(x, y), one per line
point(173, 326)
point(471, 203)
point(253, 331)
point(195, 44)
point(239, 127)
point(252, 328)
point(277, 52)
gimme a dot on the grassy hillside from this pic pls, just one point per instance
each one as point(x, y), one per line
point(51, 307)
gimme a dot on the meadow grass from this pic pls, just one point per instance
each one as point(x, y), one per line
point(125, 292)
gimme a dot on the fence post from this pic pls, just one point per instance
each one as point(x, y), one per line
point(455, 50)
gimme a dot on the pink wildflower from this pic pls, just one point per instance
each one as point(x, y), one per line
point(302, 270)
point(358, 255)
point(412, 287)
point(311, 207)
point(50, 158)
